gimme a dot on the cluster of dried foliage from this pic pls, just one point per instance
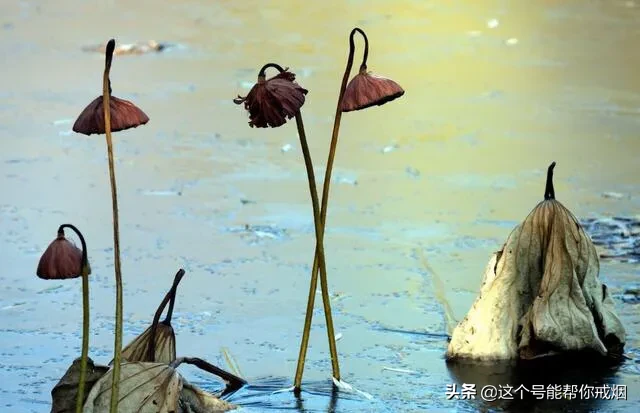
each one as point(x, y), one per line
point(540, 296)
point(142, 376)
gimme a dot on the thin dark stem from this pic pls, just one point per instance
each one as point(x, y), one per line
point(85, 315)
point(549, 192)
point(262, 72)
point(156, 317)
point(365, 54)
point(117, 347)
point(325, 197)
point(323, 271)
point(61, 228)
point(167, 319)
point(233, 382)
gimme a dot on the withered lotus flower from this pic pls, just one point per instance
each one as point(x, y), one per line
point(104, 115)
point(158, 342)
point(124, 115)
point(364, 90)
point(367, 89)
point(541, 294)
point(271, 102)
point(63, 260)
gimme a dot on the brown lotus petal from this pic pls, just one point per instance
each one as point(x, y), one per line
point(271, 102)
point(366, 89)
point(61, 260)
point(124, 115)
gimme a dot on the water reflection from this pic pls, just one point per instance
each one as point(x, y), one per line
point(564, 377)
point(275, 393)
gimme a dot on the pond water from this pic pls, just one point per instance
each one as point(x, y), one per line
point(425, 188)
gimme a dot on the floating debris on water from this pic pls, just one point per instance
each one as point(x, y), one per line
point(286, 148)
point(14, 305)
point(619, 236)
point(412, 172)
point(169, 192)
point(346, 387)
point(50, 289)
point(338, 336)
point(397, 370)
point(131, 48)
point(511, 41)
point(255, 233)
point(614, 195)
point(631, 295)
point(390, 148)
point(342, 179)
point(247, 201)
point(493, 23)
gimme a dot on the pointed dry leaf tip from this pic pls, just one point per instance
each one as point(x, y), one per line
point(366, 89)
point(549, 192)
point(111, 46)
point(271, 102)
point(62, 259)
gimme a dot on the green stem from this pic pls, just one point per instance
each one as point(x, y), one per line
point(117, 346)
point(85, 317)
point(323, 211)
point(314, 274)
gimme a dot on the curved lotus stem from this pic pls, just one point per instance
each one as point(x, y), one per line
point(85, 315)
point(263, 71)
point(117, 347)
point(323, 216)
point(170, 299)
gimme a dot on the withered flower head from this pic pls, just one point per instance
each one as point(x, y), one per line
point(61, 260)
point(271, 102)
point(124, 114)
point(367, 89)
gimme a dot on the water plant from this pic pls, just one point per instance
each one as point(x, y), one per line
point(364, 90)
point(541, 294)
point(63, 260)
point(270, 103)
point(105, 114)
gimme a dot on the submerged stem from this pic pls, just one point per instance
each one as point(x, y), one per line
point(85, 316)
point(323, 211)
point(169, 297)
point(549, 192)
point(117, 347)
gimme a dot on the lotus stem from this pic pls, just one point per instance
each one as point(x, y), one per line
point(549, 192)
point(323, 211)
point(117, 347)
point(233, 382)
point(85, 316)
point(263, 70)
point(321, 261)
point(169, 297)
